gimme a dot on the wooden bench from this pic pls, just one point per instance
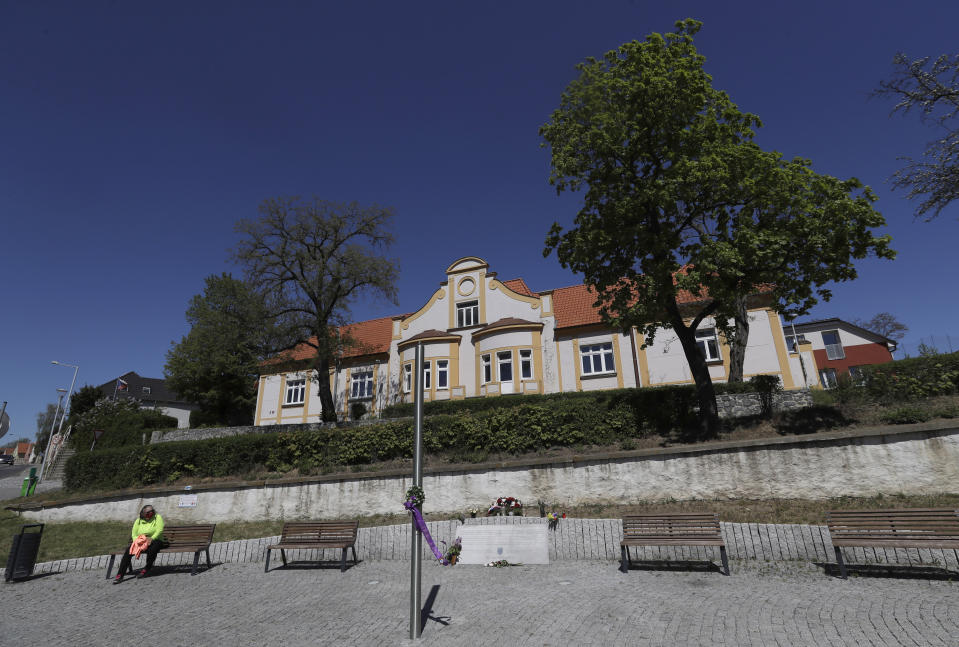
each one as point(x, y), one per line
point(905, 528)
point(683, 529)
point(182, 539)
point(309, 535)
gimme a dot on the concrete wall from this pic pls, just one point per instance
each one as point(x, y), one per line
point(919, 459)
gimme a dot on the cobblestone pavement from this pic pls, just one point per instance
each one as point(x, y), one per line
point(574, 603)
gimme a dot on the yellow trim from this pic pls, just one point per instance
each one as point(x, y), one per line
point(306, 397)
point(815, 367)
point(481, 264)
point(279, 403)
point(477, 366)
point(260, 394)
point(538, 359)
point(439, 294)
point(453, 379)
point(532, 326)
point(579, 381)
point(726, 354)
point(543, 311)
point(643, 360)
point(482, 296)
point(409, 342)
point(559, 367)
point(779, 339)
point(496, 284)
point(397, 328)
point(462, 281)
point(451, 322)
point(619, 362)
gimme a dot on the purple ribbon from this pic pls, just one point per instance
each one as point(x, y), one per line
point(421, 526)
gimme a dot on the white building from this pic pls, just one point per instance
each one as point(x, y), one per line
point(484, 337)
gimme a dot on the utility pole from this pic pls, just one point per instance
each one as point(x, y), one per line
point(416, 557)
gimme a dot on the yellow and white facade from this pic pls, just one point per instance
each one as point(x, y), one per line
point(484, 337)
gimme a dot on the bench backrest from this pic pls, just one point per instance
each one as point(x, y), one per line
point(668, 525)
point(294, 531)
point(201, 534)
point(892, 524)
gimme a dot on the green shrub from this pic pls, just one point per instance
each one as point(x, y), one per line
point(913, 378)
point(907, 415)
point(122, 422)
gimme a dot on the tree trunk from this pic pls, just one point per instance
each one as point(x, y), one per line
point(705, 393)
point(324, 360)
point(737, 345)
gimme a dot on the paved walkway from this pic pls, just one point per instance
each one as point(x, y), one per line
point(571, 603)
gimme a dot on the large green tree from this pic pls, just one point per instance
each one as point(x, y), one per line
point(684, 217)
point(216, 364)
point(314, 259)
point(932, 89)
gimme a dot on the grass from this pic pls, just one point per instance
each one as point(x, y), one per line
point(66, 540)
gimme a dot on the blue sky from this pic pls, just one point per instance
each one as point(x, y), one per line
point(135, 136)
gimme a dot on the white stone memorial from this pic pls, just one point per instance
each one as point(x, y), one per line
point(517, 544)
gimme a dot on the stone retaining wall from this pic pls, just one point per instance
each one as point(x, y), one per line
point(735, 405)
point(573, 539)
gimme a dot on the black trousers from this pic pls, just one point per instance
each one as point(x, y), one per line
point(155, 547)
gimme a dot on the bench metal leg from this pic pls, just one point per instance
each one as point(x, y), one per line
point(283, 556)
point(722, 553)
point(110, 565)
point(842, 565)
point(343, 560)
point(353, 548)
point(625, 561)
point(267, 567)
point(208, 563)
point(196, 562)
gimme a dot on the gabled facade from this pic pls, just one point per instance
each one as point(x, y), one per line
point(841, 348)
point(484, 337)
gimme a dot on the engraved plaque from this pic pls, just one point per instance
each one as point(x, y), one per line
point(519, 544)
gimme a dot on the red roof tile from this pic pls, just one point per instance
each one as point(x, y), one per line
point(519, 286)
point(369, 337)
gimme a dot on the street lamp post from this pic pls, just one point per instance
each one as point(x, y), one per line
point(53, 426)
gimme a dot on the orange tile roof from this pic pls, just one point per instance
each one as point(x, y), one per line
point(573, 306)
point(519, 286)
point(370, 337)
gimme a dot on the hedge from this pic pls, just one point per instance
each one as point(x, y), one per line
point(122, 422)
point(913, 378)
point(601, 417)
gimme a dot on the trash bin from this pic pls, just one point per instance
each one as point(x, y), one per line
point(23, 552)
point(29, 483)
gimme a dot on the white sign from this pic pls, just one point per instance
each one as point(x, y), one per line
point(187, 501)
point(519, 544)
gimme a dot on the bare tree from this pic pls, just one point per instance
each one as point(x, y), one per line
point(312, 260)
point(933, 90)
point(884, 324)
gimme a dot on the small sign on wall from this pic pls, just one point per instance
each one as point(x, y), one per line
point(187, 501)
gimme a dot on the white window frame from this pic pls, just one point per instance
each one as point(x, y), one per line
point(407, 378)
point(146, 390)
point(709, 350)
point(442, 374)
point(427, 375)
point(295, 391)
point(791, 342)
point(486, 363)
point(833, 351)
point(361, 385)
point(597, 359)
point(526, 363)
point(504, 358)
point(828, 377)
point(467, 314)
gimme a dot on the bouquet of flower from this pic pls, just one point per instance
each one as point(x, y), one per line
point(473, 512)
point(453, 550)
point(505, 505)
point(552, 519)
point(501, 563)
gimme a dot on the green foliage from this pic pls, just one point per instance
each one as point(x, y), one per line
point(680, 202)
point(83, 400)
point(913, 378)
point(907, 415)
point(216, 364)
point(122, 421)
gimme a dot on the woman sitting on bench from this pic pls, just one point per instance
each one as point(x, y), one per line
point(147, 534)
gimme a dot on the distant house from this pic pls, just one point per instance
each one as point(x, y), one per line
point(841, 348)
point(153, 393)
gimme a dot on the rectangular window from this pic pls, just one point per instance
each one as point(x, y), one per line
point(427, 366)
point(526, 364)
point(442, 373)
point(407, 378)
point(146, 390)
point(361, 384)
point(856, 374)
point(791, 342)
point(295, 391)
point(487, 369)
point(827, 376)
point(597, 358)
point(504, 365)
point(830, 339)
point(467, 313)
point(708, 344)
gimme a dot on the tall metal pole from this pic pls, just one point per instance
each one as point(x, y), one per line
point(416, 557)
point(76, 369)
